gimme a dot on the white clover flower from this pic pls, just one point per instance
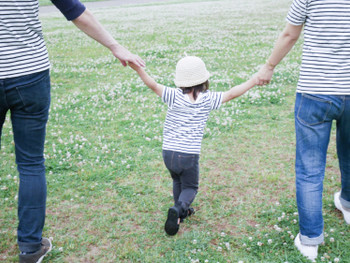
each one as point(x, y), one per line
point(194, 241)
point(250, 238)
point(336, 260)
point(219, 248)
point(269, 241)
point(223, 234)
point(331, 239)
point(259, 244)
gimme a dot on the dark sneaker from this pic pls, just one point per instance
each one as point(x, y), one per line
point(172, 224)
point(190, 212)
point(38, 256)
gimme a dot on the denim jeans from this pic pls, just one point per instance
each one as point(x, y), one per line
point(314, 115)
point(184, 170)
point(28, 100)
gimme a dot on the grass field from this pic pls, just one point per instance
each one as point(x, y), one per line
point(108, 189)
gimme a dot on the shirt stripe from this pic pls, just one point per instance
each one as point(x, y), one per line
point(325, 67)
point(22, 46)
point(185, 121)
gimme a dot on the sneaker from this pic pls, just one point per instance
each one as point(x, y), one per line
point(172, 223)
point(190, 212)
point(338, 205)
point(38, 256)
point(307, 251)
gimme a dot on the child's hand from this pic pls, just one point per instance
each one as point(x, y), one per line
point(255, 79)
point(134, 66)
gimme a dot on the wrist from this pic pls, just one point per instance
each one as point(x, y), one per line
point(114, 46)
point(269, 65)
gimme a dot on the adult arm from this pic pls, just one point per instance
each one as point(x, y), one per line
point(239, 90)
point(75, 11)
point(284, 44)
point(149, 81)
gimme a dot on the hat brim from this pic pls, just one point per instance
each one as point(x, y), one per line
point(187, 84)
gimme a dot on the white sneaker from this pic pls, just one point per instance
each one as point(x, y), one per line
point(338, 205)
point(307, 251)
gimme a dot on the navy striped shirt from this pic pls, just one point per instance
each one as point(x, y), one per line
point(185, 120)
point(22, 46)
point(325, 67)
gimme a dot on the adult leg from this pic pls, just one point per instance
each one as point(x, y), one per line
point(29, 114)
point(3, 107)
point(312, 125)
point(343, 150)
point(2, 120)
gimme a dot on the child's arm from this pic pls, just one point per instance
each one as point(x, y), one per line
point(150, 82)
point(239, 90)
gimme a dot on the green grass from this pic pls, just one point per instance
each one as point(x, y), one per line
point(108, 189)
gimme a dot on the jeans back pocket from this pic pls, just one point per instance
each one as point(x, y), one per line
point(313, 110)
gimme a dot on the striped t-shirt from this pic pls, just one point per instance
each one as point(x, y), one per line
point(22, 46)
point(325, 67)
point(185, 120)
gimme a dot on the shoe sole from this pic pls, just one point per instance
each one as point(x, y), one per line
point(42, 257)
point(171, 225)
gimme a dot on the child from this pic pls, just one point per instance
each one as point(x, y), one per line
point(189, 106)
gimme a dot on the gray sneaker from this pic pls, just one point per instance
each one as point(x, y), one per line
point(38, 256)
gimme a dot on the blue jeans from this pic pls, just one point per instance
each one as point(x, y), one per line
point(184, 170)
point(314, 115)
point(28, 100)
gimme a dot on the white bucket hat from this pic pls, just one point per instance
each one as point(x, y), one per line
point(190, 71)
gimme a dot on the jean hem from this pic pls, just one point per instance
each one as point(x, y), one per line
point(29, 247)
point(314, 241)
point(344, 203)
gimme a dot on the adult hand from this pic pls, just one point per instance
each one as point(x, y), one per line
point(264, 75)
point(126, 56)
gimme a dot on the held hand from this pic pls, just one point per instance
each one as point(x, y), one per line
point(133, 66)
point(126, 56)
point(264, 75)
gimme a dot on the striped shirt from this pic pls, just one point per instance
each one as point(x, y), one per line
point(325, 67)
point(185, 120)
point(22, 46)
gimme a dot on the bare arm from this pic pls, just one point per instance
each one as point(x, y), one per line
point(239, 90)
point(87, 23)
point(284, 44)
point(149, 81)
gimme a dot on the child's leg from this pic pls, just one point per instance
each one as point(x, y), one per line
point(189, 182)
point(170, 161)
point(176, 186)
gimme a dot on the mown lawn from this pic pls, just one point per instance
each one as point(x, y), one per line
point(108, 189)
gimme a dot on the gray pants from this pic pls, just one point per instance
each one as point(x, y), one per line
point(184, 170)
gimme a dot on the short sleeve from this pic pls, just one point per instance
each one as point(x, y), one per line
point(298, 12)
point(71, 9)
point(216, 100)
point(168, 96)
